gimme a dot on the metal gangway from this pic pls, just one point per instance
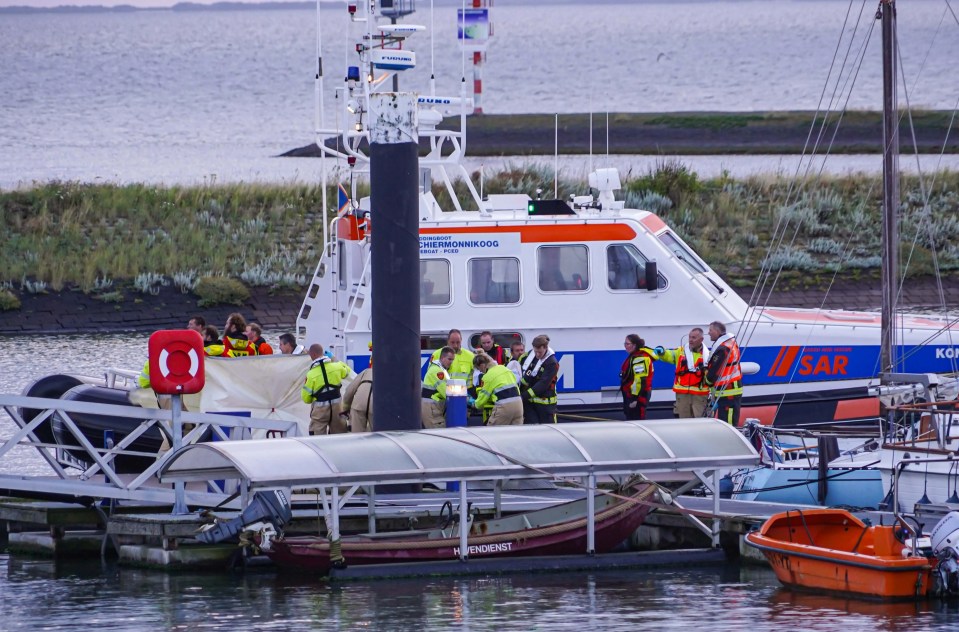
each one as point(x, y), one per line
point(82, 470)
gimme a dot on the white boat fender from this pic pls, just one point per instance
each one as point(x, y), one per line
point(749, 368)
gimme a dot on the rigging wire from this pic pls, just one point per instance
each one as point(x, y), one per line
point(760, 297)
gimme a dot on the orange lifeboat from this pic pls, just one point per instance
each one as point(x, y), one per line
point(833, 551)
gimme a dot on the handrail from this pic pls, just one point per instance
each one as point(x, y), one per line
point(899, 467)
point(102, 459)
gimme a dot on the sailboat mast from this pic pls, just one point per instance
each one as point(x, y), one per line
point(890, 187)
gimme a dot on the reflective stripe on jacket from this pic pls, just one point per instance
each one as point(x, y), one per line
point(686, 381)
point(462, 367)
point(238, 347)
point(636, 373)
point(434, 384)
point(542, 384)
point(143, 381)
point(323, 381)
point(499, 384)
point(724, 375)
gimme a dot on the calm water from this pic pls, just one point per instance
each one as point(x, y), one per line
point(40, 594)
point(168, 97)
point(37, 594)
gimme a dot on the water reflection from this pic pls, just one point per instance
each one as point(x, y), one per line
point(723, 597)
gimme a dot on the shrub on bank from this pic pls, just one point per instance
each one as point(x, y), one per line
point(221, 291)
point(8, 301)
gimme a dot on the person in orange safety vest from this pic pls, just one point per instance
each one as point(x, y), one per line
point(690, 361)
point(724, 376)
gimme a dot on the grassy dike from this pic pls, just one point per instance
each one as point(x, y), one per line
point(113, 241)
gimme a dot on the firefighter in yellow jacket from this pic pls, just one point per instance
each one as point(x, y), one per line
point(462, 366)
point(322, 390)
point(690, 361)
point(433, 406)
point(500, 389)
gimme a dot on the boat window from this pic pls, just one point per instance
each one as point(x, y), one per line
point(494, 280)
point(626, 268)
point(563, 268)
point(434, 282)
point(503, 338)
point(430, 342)
point(683, 253)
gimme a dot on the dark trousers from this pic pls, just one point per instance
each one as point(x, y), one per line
point(727, 409)
point(534, 413)
point(639, 410)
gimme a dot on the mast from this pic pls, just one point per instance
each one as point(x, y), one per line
point(890, 187)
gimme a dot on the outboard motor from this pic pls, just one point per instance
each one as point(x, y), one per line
point(272, 507)
point(945, 545)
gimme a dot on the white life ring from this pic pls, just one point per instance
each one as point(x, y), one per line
point(163, 362)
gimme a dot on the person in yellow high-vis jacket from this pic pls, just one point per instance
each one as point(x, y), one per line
point(499, 388)
point(322, 390)
point(433, 406)
point(462, 366)
point(690, 361)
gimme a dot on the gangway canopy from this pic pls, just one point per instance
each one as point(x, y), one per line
point(481, 453)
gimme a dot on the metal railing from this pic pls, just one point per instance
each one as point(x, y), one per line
point(93, 461)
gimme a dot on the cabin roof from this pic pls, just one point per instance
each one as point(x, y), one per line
point(469, 453)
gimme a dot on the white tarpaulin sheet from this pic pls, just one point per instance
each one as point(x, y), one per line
point(266, 387)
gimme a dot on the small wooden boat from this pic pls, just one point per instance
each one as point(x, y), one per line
point(558, 530)
point(833, 551)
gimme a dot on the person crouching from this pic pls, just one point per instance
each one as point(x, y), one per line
point(499, 388)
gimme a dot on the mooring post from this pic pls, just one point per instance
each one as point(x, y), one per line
point(179, 497)
point(591, 514)
point(395, 260)
point(717, 524)
point(464, 524)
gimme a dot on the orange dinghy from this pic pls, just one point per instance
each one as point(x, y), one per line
point(831, 550)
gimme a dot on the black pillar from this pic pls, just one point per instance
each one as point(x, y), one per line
point(395, 261)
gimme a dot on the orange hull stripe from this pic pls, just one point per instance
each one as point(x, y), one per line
point(551, 233)
point(787, 362)
point(765, 414)
point(772, 369)
point(856, 408)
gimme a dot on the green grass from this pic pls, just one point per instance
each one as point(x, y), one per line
point(91, 236)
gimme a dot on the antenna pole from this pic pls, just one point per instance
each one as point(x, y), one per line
point(590, 170)
point(556, 157)
point(607, 137)
point(890, 187)
point(319, 120)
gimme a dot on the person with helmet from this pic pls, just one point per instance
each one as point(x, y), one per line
point(433, 407)
point(499, 391)
point(724, 376)
point(322, 390)
point(540, 373)
point(636, 377)
point(690, 361)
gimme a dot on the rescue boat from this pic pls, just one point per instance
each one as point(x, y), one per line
point(833, 551)
point(585, 272)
